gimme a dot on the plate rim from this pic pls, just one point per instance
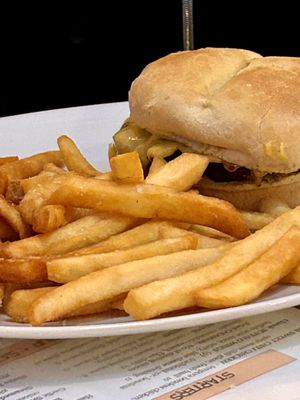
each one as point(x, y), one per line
point(150, 326)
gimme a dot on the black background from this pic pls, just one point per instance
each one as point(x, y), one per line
point(69, 54)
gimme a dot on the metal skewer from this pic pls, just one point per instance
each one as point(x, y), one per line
point(188, 25)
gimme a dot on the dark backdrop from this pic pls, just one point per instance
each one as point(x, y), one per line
point(55, 55)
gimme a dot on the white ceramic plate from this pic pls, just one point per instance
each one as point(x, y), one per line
point(92, 127)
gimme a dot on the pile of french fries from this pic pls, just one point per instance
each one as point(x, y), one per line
point(77, 241)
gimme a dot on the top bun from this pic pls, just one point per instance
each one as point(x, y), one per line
point(231, 103)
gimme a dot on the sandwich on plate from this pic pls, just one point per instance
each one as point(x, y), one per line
point(233, 105)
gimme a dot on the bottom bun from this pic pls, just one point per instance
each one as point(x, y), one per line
point(247, 196)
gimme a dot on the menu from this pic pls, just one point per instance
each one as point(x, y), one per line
point(255, 357)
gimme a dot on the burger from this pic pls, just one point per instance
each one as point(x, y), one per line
point(240, 109)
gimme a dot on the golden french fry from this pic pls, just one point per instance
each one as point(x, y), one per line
point(105, 176)
point(21, 300)
point(7, 233)
point(26, 270)
point(181, 173)
point(31, 206)
point(74, 159)
point(256, 220)
point(93, 308)
point(176, 293)
point(150, 201)
point(27, 167)
point(67, 269)
point(169, 231)
point(12, 216)
point(205, 242)
point(10, 287)
point(48, 218)
point(127, 168)
point(211, 232)
point(73, 236)
point(44, 177)
point(14, 192)
point(247, 285)
point(110, 282)
point(156, 164)
point(74, 213)
point(8, 159)
point(144, 233)
point(54, 169)
point(40, 193)
point(273, 206)
point(162, 148)
point(49, 171)
point(293, 277)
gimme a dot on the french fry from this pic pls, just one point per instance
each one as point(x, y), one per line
point(149, 201)
point(10, 287)
point(14, 192)
point(44, 177)
point(113, 281)
point(12, 216)
point(105, 176)
point(74, 159)
point(293, 277)
point(161, 148)
point(26, 270)
point(273, 206)
point(156, 164)
point(170, 231)
point(176, 293)
point(27, 167)
point(73, 236)
point(281, 258)
point(205, 242)
point(39, 194)
point(256, 220)
point(93, 308)
point(20, 302)
point(181, 173)
point(67, 269)
point(45, 218)
point(211, 232)
point(8, 159)
point(144, 233)
point(54, 169)
point(127, 168)
point(7, 233)
point(48, 218)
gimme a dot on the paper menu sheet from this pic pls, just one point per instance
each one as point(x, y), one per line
point(257, 357)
